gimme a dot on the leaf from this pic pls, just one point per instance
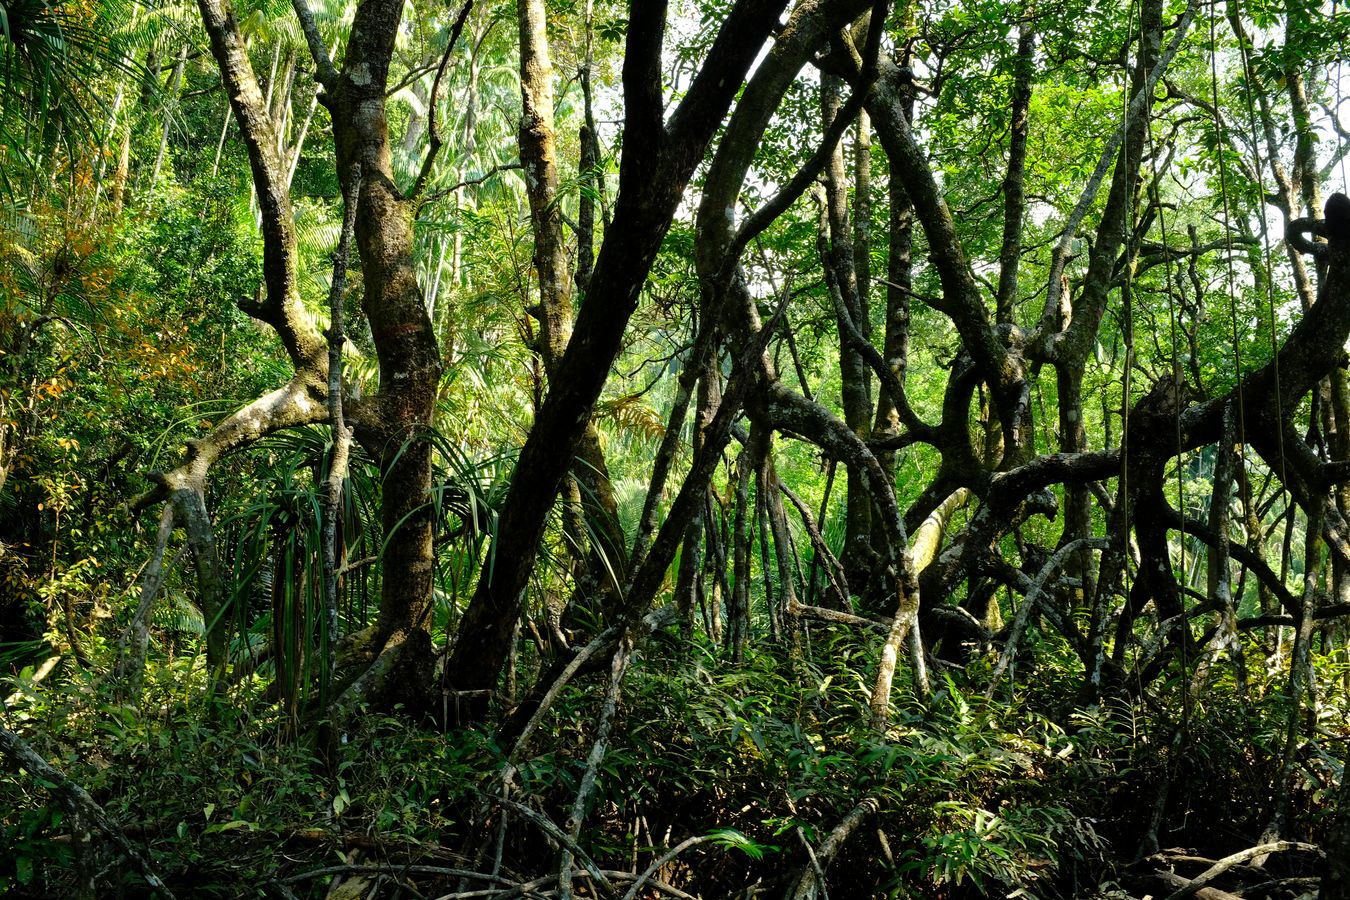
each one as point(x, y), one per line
point(730, 838)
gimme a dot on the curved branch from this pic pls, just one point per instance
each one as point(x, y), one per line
point(436, 139)
point(280, 305)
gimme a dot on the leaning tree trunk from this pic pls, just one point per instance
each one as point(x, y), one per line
point(602, 555)
point(652, 179)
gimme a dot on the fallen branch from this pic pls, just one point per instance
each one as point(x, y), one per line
point(395, 870)
point(813, 878)
point(1228, 862)
point(838, 617)
point(77, 800)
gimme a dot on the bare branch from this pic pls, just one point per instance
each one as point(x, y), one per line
point(325, 73)
point(437, 140)
point(77, 800)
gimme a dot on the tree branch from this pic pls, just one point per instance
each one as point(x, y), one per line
point(436, 139)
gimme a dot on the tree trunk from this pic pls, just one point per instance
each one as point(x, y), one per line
point(836, 249)
point(394, 427)
point(651, 186)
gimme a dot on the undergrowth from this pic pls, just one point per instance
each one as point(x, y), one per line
point(976, 798)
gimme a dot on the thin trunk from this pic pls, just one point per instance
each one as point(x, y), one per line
point(341, 433)
point(170, 109)
point(836, 248)
point(764, 486)
point(299, 147)
point(782, 542)
point(738, 610)
point(220, 145)
point(1014, 203)
point(1218, 579)
point(1306, 169)
point(899, 280)
point(135, 641)
point(1080, 333)
point(121, 172)
point(715, 530)
point(107, 141)
point(281, 103)
point(862, 208)
point(1301, 682)
point(689, 583)
point(605, 563)
point(588, 163)
point(695, 363)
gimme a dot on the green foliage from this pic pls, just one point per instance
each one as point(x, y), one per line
point(211, 800)
point(121, 339)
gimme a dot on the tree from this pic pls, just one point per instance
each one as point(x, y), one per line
point(852, 386)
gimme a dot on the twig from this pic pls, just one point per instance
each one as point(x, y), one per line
point(285, 892)
point(806, 887)
point(521, 890)
point(838, 617)
point(833, 570)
